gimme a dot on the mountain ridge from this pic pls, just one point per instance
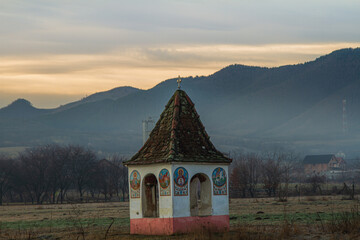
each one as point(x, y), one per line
point(238, 102)
point(21, 108)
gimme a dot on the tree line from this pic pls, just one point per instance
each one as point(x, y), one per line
point(272, 171)
point(281, 175)
point(58, 174)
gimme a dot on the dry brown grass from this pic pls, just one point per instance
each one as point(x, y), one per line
point(96, 228)
point(12, 213)
point(347, 222)
point(313, 204)
point(243, 232)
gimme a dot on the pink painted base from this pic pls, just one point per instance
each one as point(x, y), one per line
point(169, 226)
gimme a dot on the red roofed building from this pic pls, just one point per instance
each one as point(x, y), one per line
point(320, 164)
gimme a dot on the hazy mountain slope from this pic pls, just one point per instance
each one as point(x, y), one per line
point(113, 94)
point(238, 102)
point(21, 109)
point(326, 116)
point(292, 94)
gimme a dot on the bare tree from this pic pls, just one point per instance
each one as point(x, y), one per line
point(271, 173)
point(119, 176)
point(316, 180)
point(246, 174)
point(60, 173)
point(102, 180)
point(287, 163)
point(238, 180)
point(82, 167)
point(35, 171)
point(6, 169)
point(47, 173)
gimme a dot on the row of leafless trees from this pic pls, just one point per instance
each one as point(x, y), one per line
point(281, 174)
point(57, 174)
point(272, 174)
point(268, 174)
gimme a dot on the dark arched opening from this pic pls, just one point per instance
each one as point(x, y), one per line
point(200, 195)
point(150, 196)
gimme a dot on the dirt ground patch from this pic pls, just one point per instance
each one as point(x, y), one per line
point(265, 218)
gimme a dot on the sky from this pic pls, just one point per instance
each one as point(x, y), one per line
point(55, 52)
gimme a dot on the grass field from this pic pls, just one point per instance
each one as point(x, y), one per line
point(304, 218)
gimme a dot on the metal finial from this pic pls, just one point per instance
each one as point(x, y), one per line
point(179, 81)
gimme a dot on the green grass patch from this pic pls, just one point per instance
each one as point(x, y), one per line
point(277, 218)
point(64, 223)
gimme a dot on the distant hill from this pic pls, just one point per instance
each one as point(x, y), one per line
point(243, 108)
point(20, 109)
point(113, 94)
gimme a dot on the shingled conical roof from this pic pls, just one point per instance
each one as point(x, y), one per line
point(178, 136)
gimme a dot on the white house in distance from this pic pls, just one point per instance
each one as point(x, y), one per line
point(178, 180)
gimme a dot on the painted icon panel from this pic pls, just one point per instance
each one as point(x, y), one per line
point(164, 180)
point(135, 180)
point(181, 178)
point(219, 181)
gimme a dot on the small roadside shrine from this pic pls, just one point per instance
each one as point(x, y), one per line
point(178, 180)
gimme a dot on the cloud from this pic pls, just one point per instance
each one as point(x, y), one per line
point(80, 74)
point(65, 27)
point(80, 47)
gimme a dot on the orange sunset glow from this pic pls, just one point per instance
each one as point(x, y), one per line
point(69, 51)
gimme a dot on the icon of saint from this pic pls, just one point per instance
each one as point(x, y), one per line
point(181, 178)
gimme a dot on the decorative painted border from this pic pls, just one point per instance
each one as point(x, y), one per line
point(135, 183)
point(181, 179)
point(219, 181)
point(165, 182)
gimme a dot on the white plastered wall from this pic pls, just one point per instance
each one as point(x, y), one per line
point(179, 206)
point(165, 202)
point(220, 203)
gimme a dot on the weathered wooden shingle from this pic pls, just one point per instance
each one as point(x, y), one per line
point(178, 136)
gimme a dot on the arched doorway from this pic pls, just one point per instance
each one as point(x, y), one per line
point(200, 195)
point(150, 196)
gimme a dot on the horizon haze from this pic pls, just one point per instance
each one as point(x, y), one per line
point(244, 109)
